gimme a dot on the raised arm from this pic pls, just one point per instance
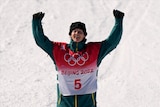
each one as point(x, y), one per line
point(114, 38)
point(41, 40)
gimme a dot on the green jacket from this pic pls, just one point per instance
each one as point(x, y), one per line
point(107, 45)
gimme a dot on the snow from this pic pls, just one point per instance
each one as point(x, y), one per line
point(128, 77)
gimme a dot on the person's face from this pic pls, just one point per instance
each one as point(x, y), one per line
point(77, 35)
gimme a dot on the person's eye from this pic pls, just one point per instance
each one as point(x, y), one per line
point(79, 32)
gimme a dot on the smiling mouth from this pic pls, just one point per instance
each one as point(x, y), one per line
point(77, 37)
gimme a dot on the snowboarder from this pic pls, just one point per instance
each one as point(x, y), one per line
point(77, 62)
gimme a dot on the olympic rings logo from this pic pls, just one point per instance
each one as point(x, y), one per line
point(76, 59)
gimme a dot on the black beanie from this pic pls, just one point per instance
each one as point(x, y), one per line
point(78, 25)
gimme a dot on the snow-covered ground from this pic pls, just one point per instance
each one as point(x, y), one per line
point(128, 77)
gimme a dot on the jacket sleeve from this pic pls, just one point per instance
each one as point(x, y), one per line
point(112, 41)
point(41, 40)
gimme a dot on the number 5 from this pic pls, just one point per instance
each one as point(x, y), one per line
point(77, 84)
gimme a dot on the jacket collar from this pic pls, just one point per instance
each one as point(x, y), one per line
point(77, 46)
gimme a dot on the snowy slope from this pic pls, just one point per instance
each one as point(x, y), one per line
point(128, 77)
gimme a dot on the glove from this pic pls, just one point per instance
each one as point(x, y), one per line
point(38, 16)
point(118, 14)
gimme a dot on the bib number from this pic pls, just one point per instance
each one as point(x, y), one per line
point(77, 84)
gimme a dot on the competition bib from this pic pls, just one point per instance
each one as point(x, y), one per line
point(77, 82)
point(77, 71)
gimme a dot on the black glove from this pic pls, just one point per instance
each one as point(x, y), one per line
point(118, 14)
point(38, 16)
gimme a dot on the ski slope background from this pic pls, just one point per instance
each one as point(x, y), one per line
point(128, 77)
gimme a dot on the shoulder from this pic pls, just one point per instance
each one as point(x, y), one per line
point(59, 43)
point(94, 43)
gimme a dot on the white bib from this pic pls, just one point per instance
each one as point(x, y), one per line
point(77, 71)
point(77, 82)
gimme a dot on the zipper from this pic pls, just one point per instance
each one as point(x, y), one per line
point(76, 46)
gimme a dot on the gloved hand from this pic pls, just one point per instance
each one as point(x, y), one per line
point(118, 14)
point(38, 16)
